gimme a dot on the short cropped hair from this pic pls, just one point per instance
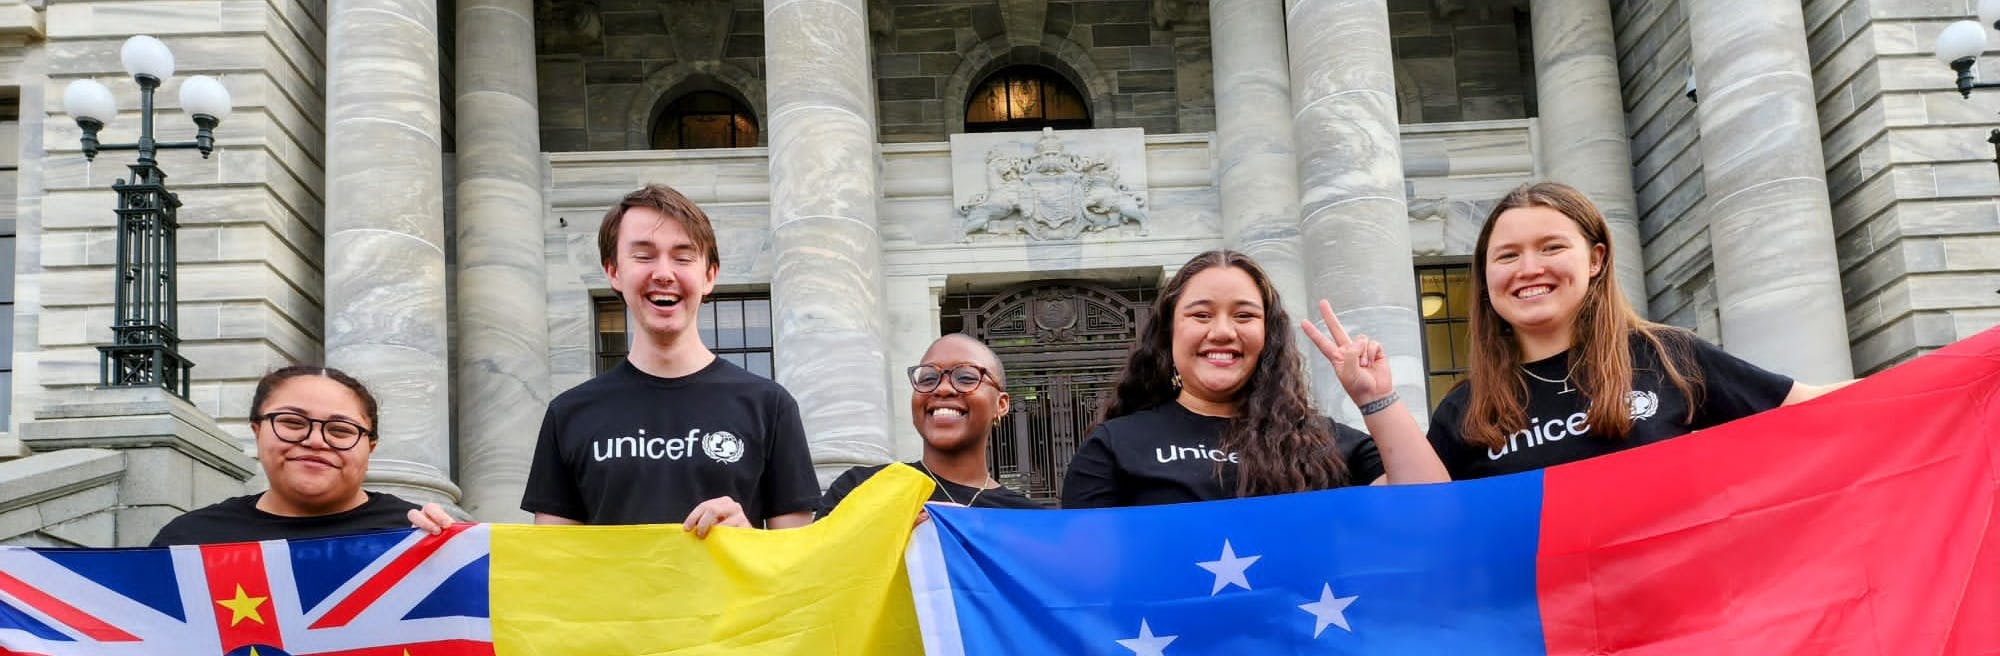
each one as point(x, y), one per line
point(668, 202)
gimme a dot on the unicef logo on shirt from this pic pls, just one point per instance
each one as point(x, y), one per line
point(723, 446)
point(1644, 404)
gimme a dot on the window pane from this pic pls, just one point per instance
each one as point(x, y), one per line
point(6, 396)
point(707, 324)
point(1458, 290)
point(7, 269)
point(1437, 347)
point(6, 340)
point(728, 324)
point(735, 359)
point(1440, 386)
point(1461, 345)
point(757, 322)
point(760, 364)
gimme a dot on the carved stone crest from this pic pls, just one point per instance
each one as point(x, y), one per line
point(1050, 194)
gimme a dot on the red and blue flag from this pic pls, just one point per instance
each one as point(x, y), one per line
point(396, 593)
point(1864, 522)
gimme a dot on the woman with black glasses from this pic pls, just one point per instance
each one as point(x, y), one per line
point(959, 396)
point(315, 427)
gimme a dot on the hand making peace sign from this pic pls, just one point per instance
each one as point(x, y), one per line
point(1358, 362)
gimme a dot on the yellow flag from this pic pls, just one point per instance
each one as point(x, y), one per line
point(836, 587)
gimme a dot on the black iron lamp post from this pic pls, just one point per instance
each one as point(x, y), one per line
point(1959, 47)
point(145, 350)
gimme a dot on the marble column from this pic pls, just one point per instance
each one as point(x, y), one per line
point(503, 347)
point(1582, 123)
point(1258, 178)
point(385, 271)
point(1354, 217)
point(826, 288)
point(1777, 275)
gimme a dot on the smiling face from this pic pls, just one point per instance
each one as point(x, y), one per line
point(950, 420)
point(1218, 333)
point(661, 272)
point(310, 477)
point(1539, 269)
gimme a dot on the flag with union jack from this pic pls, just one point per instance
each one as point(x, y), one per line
point(394, 593)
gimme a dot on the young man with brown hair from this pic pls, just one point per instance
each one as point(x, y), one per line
point(673, 434)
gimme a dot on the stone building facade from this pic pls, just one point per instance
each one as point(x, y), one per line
point(407, 190)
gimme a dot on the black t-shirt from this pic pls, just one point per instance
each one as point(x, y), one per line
point(238, 520)
point(1168, 454)
point(627, 447)
point(945, 490)
point(1558, 429)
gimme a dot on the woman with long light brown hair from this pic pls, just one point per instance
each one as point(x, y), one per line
point(1562, 368)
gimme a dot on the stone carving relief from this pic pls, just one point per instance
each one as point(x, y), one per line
point(1444, 226)
point(1050, 194)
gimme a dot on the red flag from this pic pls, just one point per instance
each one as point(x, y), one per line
point(1864, 522)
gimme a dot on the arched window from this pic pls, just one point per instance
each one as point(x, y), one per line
point(705, 119)
point(1025, 98)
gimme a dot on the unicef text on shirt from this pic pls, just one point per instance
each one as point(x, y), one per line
point(721, 446)
point(1196, 452)
point(1539, 432)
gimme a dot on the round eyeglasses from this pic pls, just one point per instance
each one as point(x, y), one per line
point(294, 428)
point(925, 378)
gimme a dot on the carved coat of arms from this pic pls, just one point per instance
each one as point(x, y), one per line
point(1051, 194)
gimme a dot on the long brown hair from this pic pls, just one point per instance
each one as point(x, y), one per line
point(1281, 443)
point(1601, 341)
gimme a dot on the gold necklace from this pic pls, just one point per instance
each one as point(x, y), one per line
point(947, 491)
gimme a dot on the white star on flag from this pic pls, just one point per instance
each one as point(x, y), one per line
point(1328, 610)
point(1228, 569)
point(1147, 644)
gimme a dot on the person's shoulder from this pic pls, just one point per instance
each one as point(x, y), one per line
point(192, 527)
point(386, 502)
point(1008, 497)
point(859, 474)
point(1454, 401)
point(1147, 418)
point(724, 374)
point(612, 380)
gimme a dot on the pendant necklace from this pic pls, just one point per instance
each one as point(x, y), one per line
point(1564, 381)
point(947, 491)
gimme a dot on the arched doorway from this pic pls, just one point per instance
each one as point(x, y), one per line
point(1062, 343)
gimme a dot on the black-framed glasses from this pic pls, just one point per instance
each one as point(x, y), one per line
point(925, 378)
point(294, 428)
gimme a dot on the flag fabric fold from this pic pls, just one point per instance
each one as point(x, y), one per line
point(836, 587)
point(1864, 522)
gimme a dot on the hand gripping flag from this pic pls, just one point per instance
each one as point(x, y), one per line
point(836, 587)
point(1865, 522)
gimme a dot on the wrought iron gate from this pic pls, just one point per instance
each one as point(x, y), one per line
point(1062, 343)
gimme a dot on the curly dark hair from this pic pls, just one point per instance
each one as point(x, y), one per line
point(1282, 443)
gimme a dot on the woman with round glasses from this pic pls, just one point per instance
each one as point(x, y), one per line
point(315, 428)
point(960, 395)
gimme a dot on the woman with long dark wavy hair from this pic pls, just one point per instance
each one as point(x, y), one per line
point(1213, 403)
point(1552, 336)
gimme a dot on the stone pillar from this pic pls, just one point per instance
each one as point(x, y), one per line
point(1777, 276)
point(1354, 218)
point(1582, 126)
point(826, 288)
point(1258, 178)
point(385, 275)
point(503, 349)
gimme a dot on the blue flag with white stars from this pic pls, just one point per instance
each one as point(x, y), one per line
point(1418, 569)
